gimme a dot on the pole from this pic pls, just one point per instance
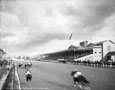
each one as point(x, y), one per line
point(0, 20)
point(73, 54)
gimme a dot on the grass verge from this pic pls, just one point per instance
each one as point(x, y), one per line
point(11, 82)
point(2, 71)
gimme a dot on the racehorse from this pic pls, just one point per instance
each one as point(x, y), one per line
point(28, 64)
point(28, 76)
point(80, 79)
point(20, 65)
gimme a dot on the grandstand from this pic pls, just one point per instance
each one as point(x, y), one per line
point(100, 51)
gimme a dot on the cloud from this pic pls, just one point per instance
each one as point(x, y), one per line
point(9, 22)
point(4, 34)
point(56, 45)
point(107, 32)
point(36, 24)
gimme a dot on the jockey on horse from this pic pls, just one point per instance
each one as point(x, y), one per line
point(79, 78)
point(28, 75)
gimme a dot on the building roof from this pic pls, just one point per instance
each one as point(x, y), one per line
point(73, 47)
point(69, 50)
point(79, 48)
point(111, 53)
point(103, 42)
point(90, 45)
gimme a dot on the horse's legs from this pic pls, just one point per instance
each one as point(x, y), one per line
point(25, 66)
point(26, 78)
point(74, 83)
point(81, 85)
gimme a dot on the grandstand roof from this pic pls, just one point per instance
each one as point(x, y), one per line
point(75, 49)
point(79, 48)
point(72, 47)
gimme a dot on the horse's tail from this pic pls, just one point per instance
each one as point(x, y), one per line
point(85, 80)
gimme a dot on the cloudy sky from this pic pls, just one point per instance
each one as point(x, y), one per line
point(29, 27)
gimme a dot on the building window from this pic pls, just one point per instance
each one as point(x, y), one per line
point(108, 48)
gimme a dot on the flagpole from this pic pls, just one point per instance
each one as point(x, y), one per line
point(70, 36)
point(73, 47)
point(73, 54)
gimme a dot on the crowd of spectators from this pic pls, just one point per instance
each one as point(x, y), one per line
point(94, 63)
point(3, 62)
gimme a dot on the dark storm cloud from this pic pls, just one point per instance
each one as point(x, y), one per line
point(5, 34)
point(39, 22)
point(100, 12)
point(36, 40)
point(92, 14)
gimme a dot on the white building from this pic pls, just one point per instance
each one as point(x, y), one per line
point(97, 53)
point(102, 49)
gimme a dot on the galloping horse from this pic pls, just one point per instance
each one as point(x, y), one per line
point(28, 64)
point(79, 78)
point(20, 64)
point(28, 75)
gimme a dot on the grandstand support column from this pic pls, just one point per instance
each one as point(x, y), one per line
point(74, 54)
point(102, 52)
point(111, 65)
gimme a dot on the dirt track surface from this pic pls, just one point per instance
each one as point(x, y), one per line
point(56, 76)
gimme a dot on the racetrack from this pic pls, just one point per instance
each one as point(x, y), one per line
point(56, 76)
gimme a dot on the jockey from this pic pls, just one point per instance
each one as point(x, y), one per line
point(20, 64)
point(28, 72)
point(28, 75)
point(77, 74)
point(30, 63)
